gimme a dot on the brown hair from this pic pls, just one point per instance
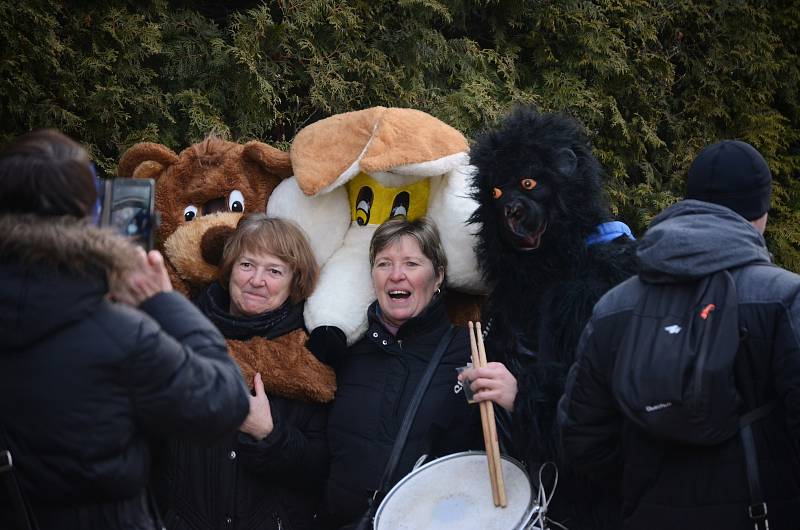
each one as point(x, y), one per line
point(46, 173)
point(422, 230)
point(279, 237)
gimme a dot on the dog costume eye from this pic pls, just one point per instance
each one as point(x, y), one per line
point(364, 205)
point(497, 193)
point(527, 184)
point(400, 204)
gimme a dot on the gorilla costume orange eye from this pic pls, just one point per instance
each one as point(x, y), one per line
point(527, 184)
point(497, 193)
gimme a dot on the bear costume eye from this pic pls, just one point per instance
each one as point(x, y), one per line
point(236, 201)
point(497, 193)
point(527, 184)
point(189, 213)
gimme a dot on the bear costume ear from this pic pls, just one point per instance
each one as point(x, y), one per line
point(146, 160)
point(566, 161)
point(273, 160)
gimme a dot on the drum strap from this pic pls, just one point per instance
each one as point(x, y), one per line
point(411, 412)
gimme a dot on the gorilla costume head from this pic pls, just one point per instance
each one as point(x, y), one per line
point(548, 252)
point(541, 208)
point(538, 187)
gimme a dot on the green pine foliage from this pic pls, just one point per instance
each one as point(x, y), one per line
point(653, 81)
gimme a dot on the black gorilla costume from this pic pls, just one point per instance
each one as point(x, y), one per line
point(541, 202)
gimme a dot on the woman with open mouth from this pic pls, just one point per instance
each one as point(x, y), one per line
point(379, 374)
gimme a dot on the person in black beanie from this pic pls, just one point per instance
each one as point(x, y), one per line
point(669, 485)
point(733, 174)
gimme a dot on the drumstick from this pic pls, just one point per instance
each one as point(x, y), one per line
point(501, 487)
point(476, 362)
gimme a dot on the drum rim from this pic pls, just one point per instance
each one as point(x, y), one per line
point(528, 512)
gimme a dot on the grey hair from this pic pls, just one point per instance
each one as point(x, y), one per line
point(422, 230)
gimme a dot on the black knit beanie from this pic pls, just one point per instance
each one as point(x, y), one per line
point(731, 173)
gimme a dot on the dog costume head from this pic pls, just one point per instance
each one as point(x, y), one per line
point(353, 171)
point(200, 195)
point(538, 184)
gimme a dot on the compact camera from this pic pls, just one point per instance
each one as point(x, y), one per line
point(127, 206)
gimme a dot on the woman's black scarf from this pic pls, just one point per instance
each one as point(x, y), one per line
point(214, 302)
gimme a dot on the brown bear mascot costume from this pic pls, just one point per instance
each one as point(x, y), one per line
point(201, 193)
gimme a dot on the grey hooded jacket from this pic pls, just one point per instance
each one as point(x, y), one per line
point(666, 485)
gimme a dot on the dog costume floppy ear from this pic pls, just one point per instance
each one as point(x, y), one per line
point(407, 162)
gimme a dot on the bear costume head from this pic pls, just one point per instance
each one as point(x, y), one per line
point(200, 195)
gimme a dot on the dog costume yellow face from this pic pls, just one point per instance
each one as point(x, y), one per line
point(373, 203)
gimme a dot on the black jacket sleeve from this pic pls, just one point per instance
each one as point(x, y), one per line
point(786, 364)
point(590, 421)
point(292, 449)
point(533, 426)
point(181, 379)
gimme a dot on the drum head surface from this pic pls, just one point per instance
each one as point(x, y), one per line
point(454, 493)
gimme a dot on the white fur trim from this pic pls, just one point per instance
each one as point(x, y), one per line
point(439, 166)
point(393, 180)
point(324, 218)
point(449, 208)
point(344, 290)
point(408, 174)
point(403, 175)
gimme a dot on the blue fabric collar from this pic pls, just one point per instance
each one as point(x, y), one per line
point(606, 232)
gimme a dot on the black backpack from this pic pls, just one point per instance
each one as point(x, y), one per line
point(674, 370)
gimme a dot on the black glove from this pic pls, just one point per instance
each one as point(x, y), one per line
point(327, 343)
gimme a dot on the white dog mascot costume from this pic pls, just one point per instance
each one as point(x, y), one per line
point(353, 171)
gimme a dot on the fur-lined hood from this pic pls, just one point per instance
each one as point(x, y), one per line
point(53, 271)
point(64, 243)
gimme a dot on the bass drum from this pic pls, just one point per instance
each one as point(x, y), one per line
point(454, 493)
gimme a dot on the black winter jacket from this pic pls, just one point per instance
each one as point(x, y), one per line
point(86, 384)
point(667, 485)
point(375, 382)
point(241, 483)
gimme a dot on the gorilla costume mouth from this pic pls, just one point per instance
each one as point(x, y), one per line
point(524, 239)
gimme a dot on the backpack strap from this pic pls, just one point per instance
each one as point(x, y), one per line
point(757, 510)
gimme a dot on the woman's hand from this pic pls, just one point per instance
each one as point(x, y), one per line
point(492, 383)
point(147, 279)
point(258, 422)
